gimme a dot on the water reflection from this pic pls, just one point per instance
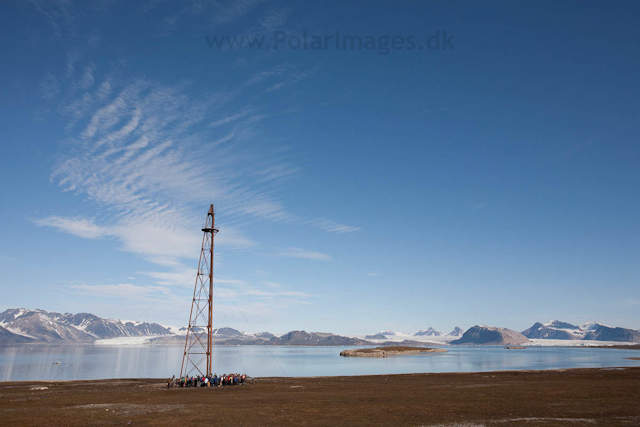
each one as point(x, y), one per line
point(91, 362)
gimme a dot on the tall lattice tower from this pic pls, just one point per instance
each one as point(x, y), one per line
point(198, 344)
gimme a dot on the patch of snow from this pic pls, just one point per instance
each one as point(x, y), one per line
point(126, 340)
point(134, 322)
point(16, 330)
point(82, 326)
point(588, 326)
point(176, 329)
point(399, 337)
point(540, 342)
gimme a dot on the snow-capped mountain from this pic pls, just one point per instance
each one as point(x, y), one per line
point(606, 333)
point(228, 332)
point(6, 336)
point(23, 325)
point(314, 338)
point(217, 332)
point(560, 325)
point(591, 326)
point(266, 335)
point(555, 330)
point(225, 332)
point(429, 332)
point(377, 336)
point(457, 332)
point(590, 331)
point(427, 336)
point(491, 335)
point(383, 335)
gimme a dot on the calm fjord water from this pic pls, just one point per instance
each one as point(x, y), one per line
point(144, 361)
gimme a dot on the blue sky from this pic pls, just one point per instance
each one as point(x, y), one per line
point(493, 182)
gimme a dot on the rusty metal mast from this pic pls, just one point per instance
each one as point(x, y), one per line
point(197, 348)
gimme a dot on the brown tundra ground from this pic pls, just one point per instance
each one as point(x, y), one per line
point(573, 397)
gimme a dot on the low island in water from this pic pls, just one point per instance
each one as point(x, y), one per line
point(389, 351)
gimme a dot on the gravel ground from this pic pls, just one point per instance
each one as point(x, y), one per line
point(573, 397)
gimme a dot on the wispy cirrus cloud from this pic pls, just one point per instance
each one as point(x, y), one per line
point(119, 291)
point(276, 71)
point(78, 226)
point(229, 288)
point(140, 154)
point(49, 86)
point(151, 239)
point(61, 15)
point(274, 18)
point(144, 156)
point(333, 227)
point(229, 119)
point(146, 153)
point(229, 11)
point(301, 253)
point(203, 14)
point(260, 291)
point(272, 285)
point(171, 278)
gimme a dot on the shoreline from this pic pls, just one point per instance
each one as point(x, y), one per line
point(328, 377)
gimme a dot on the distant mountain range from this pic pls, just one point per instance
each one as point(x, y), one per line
point(593, 331)
point(234, 337)
point(23, 326)
point(429, 332)
point(315, 338)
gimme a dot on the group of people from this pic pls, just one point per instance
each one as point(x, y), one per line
point(208, 380)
